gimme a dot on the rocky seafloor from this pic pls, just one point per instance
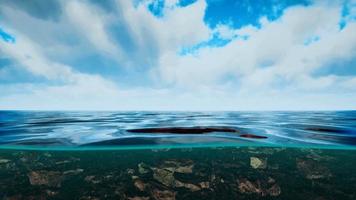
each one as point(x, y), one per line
point(166, 174)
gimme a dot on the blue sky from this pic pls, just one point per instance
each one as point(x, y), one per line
point(178, 55)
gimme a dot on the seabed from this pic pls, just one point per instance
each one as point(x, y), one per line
point(178, 173)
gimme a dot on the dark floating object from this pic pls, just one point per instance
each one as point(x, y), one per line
point(185, 130)
point(195, 130)
point(326, 129)
point(247, 135)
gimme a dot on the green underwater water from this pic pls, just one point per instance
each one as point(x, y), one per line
point(179, 173)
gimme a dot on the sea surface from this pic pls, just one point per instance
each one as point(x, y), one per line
point(177, 155)
point(75, 130)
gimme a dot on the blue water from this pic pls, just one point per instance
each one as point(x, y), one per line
point(102, 130)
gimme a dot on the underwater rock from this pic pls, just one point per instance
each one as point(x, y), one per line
point(312, 169)
point(164, 176)
point(258, 163)
point(140, 185)
point(245, 186)
point(212, 177)
point(23, 159)
point(130, 171)
point(271, 180)
point(274, 191)
point(143, 168)
point(261, 188)
point(92, 179)
point(7, 164)
point(189, 186)
point(73, 171)
point(48, 178)
point(4, 161)
point(62, 162)
point(185, 166)
point(15, 197)
point(163, 195)
point(204, 185)
point(89, 198)
point(47, 154)
point(138, 198)
point(51, 193)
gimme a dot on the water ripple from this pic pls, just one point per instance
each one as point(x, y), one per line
point(78, 129)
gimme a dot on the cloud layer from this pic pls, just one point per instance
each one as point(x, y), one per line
point(125, 55)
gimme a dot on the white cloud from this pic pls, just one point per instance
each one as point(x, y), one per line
point(72, 83)
point(272, 69)
point(225, 31)
point(179, 26)
point(90, 22)
point(276, 50)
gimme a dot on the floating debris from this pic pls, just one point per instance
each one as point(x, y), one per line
point(248, 135)
point(184, 130)
point(328, 129)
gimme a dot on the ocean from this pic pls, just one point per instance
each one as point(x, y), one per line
point(177, 155)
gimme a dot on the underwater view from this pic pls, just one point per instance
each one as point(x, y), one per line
point(177, 155)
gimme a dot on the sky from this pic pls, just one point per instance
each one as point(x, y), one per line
point(178, 55)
